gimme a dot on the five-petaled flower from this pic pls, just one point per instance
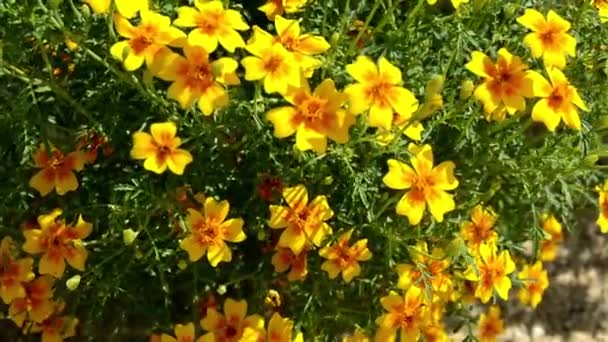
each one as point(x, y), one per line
point(494, 270)
point(209, 231)
point(161, 149)
point(272, 8)
point(229, 327)
point(490, 325)
point(602, 219)
point(13, 272)
point(284, 259)
point(406, 315)
point(344, 258)
point(427, 184)
point(479, 228)
point(57, 170)
point(535, 281)
point(304, 222)
point(37, 304)
point(56, 328)
point(425, 269)
point(280, 329)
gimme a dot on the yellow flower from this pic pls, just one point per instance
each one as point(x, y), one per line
point(57, 170)
point(602, 219)
point(490, 325)
point(229, 327)
point(479, 229)
point(37, 304)
point(406, 315)
point(506, 83)
point(297, 264)
point(427, 184)
point(602, 7)
point(56, 328)
point(343, 258)
point(272, 63)
point(553, 231)
point(146, 41)
point(209, 231)
point(455, 3)
point(127, 8)
point(494, 270)
point(304, 222)
point(213, 24)
point(13, 272)
point(58, 242)
point(313, 117)
point(535, 282)
point(183, 333)
point(160, 149)
point(559, 100)
point(196, 78)
point(272, 8)
point(378, 90)
point(357, 336)
point(431, 269)
point(434, 332)
point(549, 38)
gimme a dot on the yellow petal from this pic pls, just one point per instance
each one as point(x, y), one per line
point(309, 139)
point(200, 38)
point(381, 116)
point(163, 131)
point(43, 181)
point(282, 119)
point(535, 43)
point(254, 68)
point(293, 239)
point(186, 17)
point(388, 72)
point(358, 101)
point(532, 19)
point(233, 230)
point(557, 22)
point(363, 70)
point(400, 176)
point(118, 49)
point(480, 64)
point(65, 182)
point(230, 40)
point(444, 176)
point(178, 160)
point(540, 86)
point(217, 253)
point(412, 207)
point(99, 6)
point(155, 165)
point(143, 146)
point(235, 309)
point(216, 210)
point(287, 28)
point(129, 8)
point(312, 45)
point(545, 114)
point(277, 217)
point(193, 247)
point(296, 197)
point(440, 202)
point(77, 258)
point(54, 266)
point(184, 332)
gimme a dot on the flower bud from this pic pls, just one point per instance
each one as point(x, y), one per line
point(466, 89)
point(73, 283)
point(128, 236)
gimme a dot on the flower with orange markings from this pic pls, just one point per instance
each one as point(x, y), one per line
point(379, 90)
point(549, 38)
point(209, 231)
point(490, 325)
point(213, 25)
point(535, 281)
point(58, 243)
point(406, 316)
point(13, 272)
point(303, 223)
point(37, 305)
point(57, 170)
point(428, 185)
point(344, 258)
point(280, 329)
point(602, 219)
point(284, 259)
point(56, 327)
point(554, 237)
point(313, 116)
point(160, 150)
point(183, 333)
point(426, 269)
point(494, 270)
point(479, 228)
point(229, 326)
point(602, 8)
point(272, 8)
point(146, 41)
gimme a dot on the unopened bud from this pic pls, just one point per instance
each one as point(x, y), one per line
point(73, 283)
point(466, 89)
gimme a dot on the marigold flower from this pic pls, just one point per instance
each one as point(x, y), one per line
point(213, 24)
point(209, 231)
point(559, 100)
point(272, 63)
point(57, 170)
point(479, 229)
point(128, 8)
point(406, 315)
point(196, 78)
point(434, 332)
point(229, 327)
point(272, 8)
point(343, 258)
point(304, 222)
point(13, 272)
point(280, 329)
point(146, 41)
point(433, 267)
point(284, 259)
point(427, 184)
point(378, 90)
point(507, 83)
point(553, 230)
point(494, 270)
point(183, 333)
point(313, 117)
point(37, 305)
point(602, 219)
point(602, 7)
point(58, 242)
point(490, 325)
point(549, 38)
point(160, 149)
point(56, 328)
point(536, 281)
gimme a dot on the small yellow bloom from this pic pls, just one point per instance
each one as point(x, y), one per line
point(280, 329)
point(160, 149)
point(146, 41)
point(304, 222)
point(57, 170)
point(490, 325)
point(536, 281)
point(602, 7)
point(379, 90)
point(357, 336)
point(343, 258)
point(549, 38)
point(425, 268)
point(284, 259)
point(506, 83)
point(58, 242)
point(427, 184)
point(209, 231)
point(37, 305)
point(56, 328)
point(231, 325)
point(406, 315)
point(313, 116)
point(13, 272)
point(494, 270)
point(213, 24)
point(553, 230)
point(558, 102)
point(434, 332)
point(479, 229)
point(272, 8)
point(602, 219)
point(196, 78)
point(183, 333)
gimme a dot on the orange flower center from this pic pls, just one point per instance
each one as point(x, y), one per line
point(200, 75)
point(207, 231)
point(491, 273)
point(290, 43)
point(558, 96)
point(144, 37)
point(313, 112)
point(420, 188)
point(406, 317)
point(490, 329)
point(378, 93)
point(210, 22)
point(273, 63)
point(548, 36)
point(605, 208)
